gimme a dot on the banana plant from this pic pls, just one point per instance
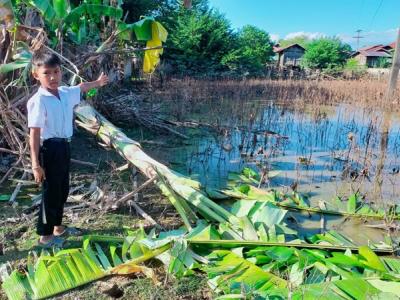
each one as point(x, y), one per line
point(304, 274)
point(353, 207)
point(100, 256)
point(59, 15)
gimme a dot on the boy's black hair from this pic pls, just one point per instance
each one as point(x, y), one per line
point(43, 58)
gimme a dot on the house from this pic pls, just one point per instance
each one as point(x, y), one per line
point(290, 55)
point(373, 56)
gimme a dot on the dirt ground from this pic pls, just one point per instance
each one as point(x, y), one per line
point(18, 237)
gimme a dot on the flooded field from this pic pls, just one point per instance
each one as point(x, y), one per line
point(324, 151)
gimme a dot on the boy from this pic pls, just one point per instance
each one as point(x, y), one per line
point(50, 115)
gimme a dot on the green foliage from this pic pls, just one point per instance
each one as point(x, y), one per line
point(352, 64)
point(253, 51)
point(198, 41)
point(383, 62)
point(202, 42)
point(326, 53)
point(302, 40)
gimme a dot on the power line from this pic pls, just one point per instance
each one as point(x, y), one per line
point(375, 14)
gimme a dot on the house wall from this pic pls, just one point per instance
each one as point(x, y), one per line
point(291, 57)
point(362, 60)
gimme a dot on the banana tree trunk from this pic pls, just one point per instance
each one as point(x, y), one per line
point(180, 190)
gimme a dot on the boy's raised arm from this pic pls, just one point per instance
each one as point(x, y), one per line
point(101, 81)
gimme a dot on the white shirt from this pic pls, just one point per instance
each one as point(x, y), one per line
point(52, 115)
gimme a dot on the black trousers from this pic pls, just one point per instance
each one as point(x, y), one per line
point(55, 160)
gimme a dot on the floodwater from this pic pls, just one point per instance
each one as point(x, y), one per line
point(323, 151)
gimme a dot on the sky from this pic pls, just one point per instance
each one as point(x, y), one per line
point(379, 19)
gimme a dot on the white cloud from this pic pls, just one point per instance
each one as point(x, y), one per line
point(274, 37)
point(310, 35)
point(370, 37)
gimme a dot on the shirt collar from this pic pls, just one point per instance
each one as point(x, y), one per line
point(42, 91)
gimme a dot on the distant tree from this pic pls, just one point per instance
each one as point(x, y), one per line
point(253, 51)
point(198, 40)
point(326, 53)
point(302, 40)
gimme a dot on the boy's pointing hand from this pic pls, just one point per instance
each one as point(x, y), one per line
point(103, 79)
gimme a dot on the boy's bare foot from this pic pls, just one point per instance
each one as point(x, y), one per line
point(58, 230)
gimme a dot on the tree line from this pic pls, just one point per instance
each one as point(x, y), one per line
point(202, 42)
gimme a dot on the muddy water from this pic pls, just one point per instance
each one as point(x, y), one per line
point(322, 151)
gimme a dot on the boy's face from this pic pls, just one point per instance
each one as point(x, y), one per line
point(49, 77)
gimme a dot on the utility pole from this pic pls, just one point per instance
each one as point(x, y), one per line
point(394, 73)
point(358, 37)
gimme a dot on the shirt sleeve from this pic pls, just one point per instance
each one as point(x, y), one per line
point(36, 113)
point(74, 94)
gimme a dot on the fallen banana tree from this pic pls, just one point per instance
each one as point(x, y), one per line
point(246, 250)
point(241, 270)
point(49, 274)
point(352, 207)
point(184, 193)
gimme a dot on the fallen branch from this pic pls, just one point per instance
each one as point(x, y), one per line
point(144, 215)
point(83, 163)
point(131, 194)
point(17, 188)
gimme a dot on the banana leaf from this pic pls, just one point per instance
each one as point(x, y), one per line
point(5, 68)
point(45, 7)
point(333, 275)
point(233, 274)
point(94, 11)
point(152, 57)
point(355, 209)
point(70, 268)
point(142, 29)
point(61, 8)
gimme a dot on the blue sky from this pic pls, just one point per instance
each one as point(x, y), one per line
point(379, 19)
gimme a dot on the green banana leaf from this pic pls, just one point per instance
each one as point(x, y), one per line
point(233, 274)
point(5, 68)
point(46, 9)
point(70, 268)
point(61, 8)
point(333, 275)
point(355, 209)
point(142, 29)
point(94, 11)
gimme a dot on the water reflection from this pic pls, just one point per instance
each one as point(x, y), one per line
point(322, 150)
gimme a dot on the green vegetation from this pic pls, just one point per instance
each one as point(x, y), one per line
point(253, 51)
point(326, 53)
point(198, 42)
point(302, 40)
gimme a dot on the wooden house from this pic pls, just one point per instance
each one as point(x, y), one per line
point(372, 56)
point(289, 56)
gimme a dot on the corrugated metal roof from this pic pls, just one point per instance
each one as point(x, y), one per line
point(280, 49)
point(375, 53)
point(371, 48)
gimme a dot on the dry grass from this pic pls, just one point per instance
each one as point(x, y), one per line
point(363, 92)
